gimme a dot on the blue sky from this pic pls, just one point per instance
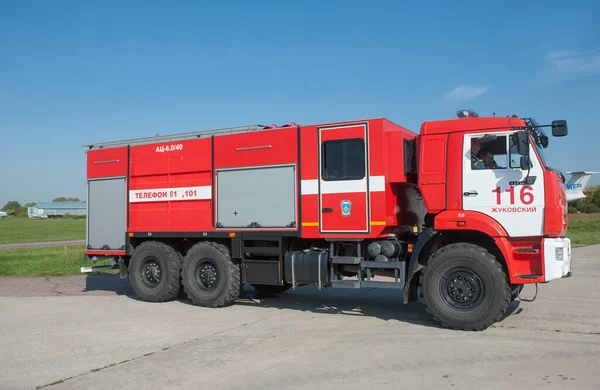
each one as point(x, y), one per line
point(78, 72)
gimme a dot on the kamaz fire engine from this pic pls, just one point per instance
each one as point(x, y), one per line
point(459, 216)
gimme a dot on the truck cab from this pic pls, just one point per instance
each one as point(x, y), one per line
point(491, 176)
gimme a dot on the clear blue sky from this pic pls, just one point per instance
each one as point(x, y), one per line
point(78, 72)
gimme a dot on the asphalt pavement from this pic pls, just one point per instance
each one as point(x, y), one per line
point(90, 332)
point(40, 244)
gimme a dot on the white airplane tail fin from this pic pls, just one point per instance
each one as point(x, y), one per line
point(576, 184)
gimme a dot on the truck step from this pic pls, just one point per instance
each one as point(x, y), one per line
point(383, 264)
point(345, 260)
point(87, 270)
point(113, 265)
point(365, 284)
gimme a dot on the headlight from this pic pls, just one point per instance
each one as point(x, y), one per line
point(559, 254)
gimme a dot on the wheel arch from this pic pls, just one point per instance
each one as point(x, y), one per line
point(431, 240)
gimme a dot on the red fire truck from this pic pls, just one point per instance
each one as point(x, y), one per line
point(461, 215)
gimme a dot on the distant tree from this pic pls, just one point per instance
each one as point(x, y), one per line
point(590, 209)
point(582, 204)
point(30, 204)
point(596, 197)
point(21, 213)
point(11, 207)
point(63, 199)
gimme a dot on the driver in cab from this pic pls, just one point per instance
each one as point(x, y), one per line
point(481, 157)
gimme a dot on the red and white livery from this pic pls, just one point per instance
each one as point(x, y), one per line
point(468, 209)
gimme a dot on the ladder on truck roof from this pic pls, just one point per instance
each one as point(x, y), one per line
point(176, 137)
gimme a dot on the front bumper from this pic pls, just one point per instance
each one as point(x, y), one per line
point(557, 258)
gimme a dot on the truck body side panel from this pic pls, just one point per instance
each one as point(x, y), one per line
point(344, 179)
point(455, 176)
point(265, 148)
point(107, 163)
point(432, 171)
point(376, 199)
point(257, 198)
point(107, 214)
point(256, 180)
point(379, 185)
point(106, 220)
point(404, 207)
point(171, 191)
point(309, 182)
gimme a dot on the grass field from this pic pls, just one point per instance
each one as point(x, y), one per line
point(14, 230)
point(66, 260)
point(52, 261)
point(584, 228)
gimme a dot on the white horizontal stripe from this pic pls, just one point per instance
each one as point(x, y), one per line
point(310, 187)
point(376, 183)
point(343, 186)
point(170, 194)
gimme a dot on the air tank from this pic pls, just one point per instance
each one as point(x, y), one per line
point(381, 258)
point(374, 249)
point(390, 249)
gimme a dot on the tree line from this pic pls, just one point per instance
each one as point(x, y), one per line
point(14, 208)
point(589, 205)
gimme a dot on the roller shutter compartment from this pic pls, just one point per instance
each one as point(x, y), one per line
point(107, 214)
point(256, 197)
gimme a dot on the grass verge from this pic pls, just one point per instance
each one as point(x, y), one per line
point(67, 260)
point(15, 230)
point(51, 261)
point(584, 229)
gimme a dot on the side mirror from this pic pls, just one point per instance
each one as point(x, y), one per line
point(525, 163)
point(559, 128)
point(522, 139)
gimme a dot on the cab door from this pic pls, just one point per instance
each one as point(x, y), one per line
point(344, 179)
point(497, 188)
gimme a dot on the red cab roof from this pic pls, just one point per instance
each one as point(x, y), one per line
point(470, 124)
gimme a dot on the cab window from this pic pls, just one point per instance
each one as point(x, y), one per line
point(515, 157)
point(343, 159)
point(489, 152)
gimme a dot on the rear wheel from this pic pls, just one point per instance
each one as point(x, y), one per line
point(209, 277)
point(154, 271)
point(464, 287)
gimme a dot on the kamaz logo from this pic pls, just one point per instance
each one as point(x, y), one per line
point(573, 186)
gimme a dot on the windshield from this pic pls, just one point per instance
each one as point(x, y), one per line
point(540, 138)
point(540, 143)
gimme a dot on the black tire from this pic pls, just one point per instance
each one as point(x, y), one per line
point(269, 289)
point(464, 287)
point(515, 291)
point(209, 277)
point(154, 271)
point(181, 293)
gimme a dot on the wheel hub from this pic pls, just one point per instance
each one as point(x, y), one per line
point(207, 276)
point(151, 273)
point(462, 288)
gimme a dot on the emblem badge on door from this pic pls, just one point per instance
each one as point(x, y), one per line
point(346, 208)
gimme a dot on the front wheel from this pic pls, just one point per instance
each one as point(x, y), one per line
point(464, 287)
